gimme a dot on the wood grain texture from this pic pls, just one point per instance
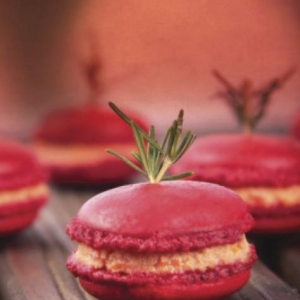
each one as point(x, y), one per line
point(288, 259)
point(32, 264)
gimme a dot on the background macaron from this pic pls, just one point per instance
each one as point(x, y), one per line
point(71, 143)
point(263, 169)
point(296, 127)
point(169, 240)
point(22, 187)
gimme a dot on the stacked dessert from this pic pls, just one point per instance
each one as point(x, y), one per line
point(162, 240)
point(71, 142)
point(22, 187)
point(263, 169)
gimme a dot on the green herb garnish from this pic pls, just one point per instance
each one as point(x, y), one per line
point(248, 104)
point(155, 159)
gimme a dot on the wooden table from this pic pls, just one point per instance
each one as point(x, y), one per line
point(287, 258)
point(32, 264)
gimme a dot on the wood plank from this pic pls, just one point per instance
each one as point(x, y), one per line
point(32, 264)
point(282, 254)
point(289, 266)
point(38, 255)
point(288, 259)
point(264, 284)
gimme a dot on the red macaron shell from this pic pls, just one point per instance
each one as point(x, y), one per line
point(19, 215)
point(210, 291)
point(18, 167)
point(240, 160)
point(20, 207)
point(15, 223)
point(88, 125)
point(275, 219)
point(276, 225)
point(296, 127)
point(168, 216)
point(16, 216)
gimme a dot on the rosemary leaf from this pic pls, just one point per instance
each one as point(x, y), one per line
point(184, 142)
point(178, 131)
point(180, 118)
point(119, 113)
point(152, 151)
point(129, 121)
point(141, 146)
point(151, 141)
point(178, 176)
point(136, 156)
point(173, 132)
point(127, 161)
point(165, 140)
point(185, 147)
point(157, 160)
point(151, 148)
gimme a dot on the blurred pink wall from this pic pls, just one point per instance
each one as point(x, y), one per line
point(157, 57)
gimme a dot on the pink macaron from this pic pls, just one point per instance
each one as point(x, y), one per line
point(71, 144)
point(296, 127)
point(23, 191)
point(263, 169)
point(170, 240)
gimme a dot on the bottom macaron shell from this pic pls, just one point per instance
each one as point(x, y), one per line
point(296, 127)
point(276, 219)
point(109, 171)
point(16, 223)
point(16, 216)
point(276, 225)
point(204, 291)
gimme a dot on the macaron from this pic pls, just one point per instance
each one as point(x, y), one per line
point(23, 191)
point(71, 144)
point(296, 127)
point(168, 240)
point(263, 169)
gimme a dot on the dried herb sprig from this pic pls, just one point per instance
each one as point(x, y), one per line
point(92, 68)
point(155, 159)
point(248, 104)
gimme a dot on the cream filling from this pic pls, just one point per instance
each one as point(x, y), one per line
point(79, 154)
point(24, 194)
point(122, 261)
point(267, 197)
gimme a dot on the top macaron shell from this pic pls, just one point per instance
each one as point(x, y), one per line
point(88, 125)
point(238, 160)
point(18, 166)
point(146, 216)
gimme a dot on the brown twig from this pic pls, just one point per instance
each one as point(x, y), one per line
point(248, 104)
point(92, 68)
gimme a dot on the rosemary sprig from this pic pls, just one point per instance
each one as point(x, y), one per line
point(248, 104)
point(92, 69)
point(155, 159)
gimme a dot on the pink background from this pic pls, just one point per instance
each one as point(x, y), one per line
point(157, 57)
